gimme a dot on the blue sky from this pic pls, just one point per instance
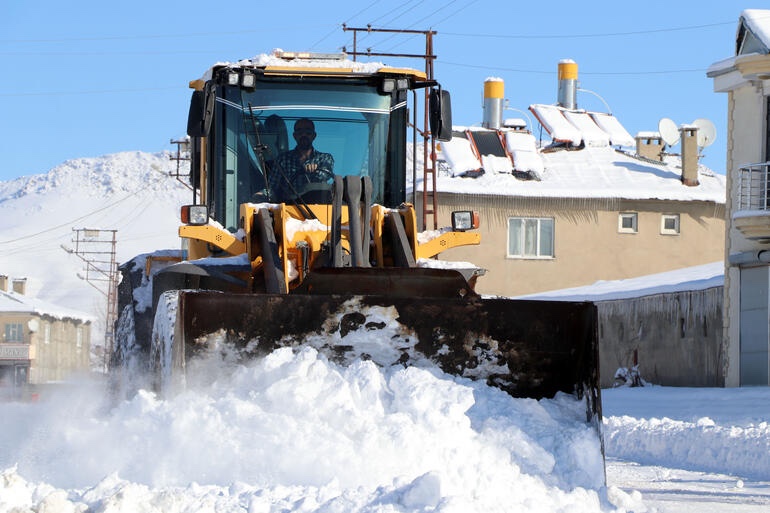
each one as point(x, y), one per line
point(87, 78)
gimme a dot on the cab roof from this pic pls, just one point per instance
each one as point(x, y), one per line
point(305, 63)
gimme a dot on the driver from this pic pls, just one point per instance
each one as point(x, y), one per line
point(302, 165)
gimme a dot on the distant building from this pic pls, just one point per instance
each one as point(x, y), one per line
point(39, 342)
point(585, 202)
point(745, 78)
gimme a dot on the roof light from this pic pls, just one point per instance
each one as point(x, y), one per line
point(195, 215)
point(387, 85)
point(248, 80)
point(463, 220)
point(232, 78)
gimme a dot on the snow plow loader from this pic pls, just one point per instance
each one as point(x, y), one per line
point(300, 232)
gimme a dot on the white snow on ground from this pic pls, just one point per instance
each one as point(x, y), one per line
point(689, 449)
point(295, 432)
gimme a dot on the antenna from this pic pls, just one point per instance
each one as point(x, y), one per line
point(668, 131)
point(707, 132)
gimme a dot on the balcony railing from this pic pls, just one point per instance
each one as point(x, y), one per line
point(753, 187)
point(9, 351)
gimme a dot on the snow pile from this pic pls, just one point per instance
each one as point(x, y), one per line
point(713, 430)
point(697, 277)
point(295, 432)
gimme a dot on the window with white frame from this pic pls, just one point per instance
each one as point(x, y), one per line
point(530, 237)
point(47, 333)
point(14, 332)
point(628, 222)
point(669, 224)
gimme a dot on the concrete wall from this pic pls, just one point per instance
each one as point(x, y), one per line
point(677, 337)
point(588, 245)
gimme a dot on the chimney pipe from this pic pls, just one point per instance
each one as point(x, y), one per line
point(493, 103)
point(650, 146)
point(568, 84)
point(20, 285)
point(3, 283)
point(689, 142)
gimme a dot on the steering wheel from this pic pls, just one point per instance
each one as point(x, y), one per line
point(316, 192)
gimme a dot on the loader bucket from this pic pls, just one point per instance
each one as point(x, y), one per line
point(527, 348)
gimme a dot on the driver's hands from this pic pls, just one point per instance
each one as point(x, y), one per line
point(316, 173)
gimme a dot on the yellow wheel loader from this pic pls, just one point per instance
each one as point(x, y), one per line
point(288, 241)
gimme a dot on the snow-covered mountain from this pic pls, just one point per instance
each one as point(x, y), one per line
point(135, 193)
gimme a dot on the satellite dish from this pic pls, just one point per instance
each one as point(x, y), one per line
point(668, 131)
point(707, 132)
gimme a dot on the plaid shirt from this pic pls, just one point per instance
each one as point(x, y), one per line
point(294, 169)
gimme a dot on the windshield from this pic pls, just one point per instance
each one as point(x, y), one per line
point(285, 140)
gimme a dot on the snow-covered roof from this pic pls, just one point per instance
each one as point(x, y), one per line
point(699, 277)
point(757, 23)
point(752, 39)
point(590, 172)
point(13, 302)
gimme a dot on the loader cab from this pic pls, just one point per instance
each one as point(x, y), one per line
point(242, 121)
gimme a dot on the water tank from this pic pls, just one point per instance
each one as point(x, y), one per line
point(493, 103)
point(568, 84)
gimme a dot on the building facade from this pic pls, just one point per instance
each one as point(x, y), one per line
point(745, 79)
point(532, 245)
point(39, 343)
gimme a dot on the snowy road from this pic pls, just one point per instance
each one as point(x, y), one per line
point(668, 490)
point(688, 433)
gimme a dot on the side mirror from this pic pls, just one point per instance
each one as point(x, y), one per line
point(201, 112)
point(440, 115)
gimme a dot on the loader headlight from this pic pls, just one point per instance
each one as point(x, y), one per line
point(463, 220)
point(195, 214)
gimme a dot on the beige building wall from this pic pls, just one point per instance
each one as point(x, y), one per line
point(746, 120)
point(57, 348)
point(587, 243)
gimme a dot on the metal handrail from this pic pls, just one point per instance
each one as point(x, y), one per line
point(753, 186)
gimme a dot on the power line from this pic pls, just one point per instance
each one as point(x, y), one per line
point(151, 36)
point(597, 73)
point(103, 91)
point(592, 35)
point(73, 221)
point(453, 13)
point(401, 14)
point(390, 12)
point(92, 53)
point(465, 6)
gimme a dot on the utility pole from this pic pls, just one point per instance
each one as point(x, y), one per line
point(96, 248)
point(429, 199)
point(182, 154)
